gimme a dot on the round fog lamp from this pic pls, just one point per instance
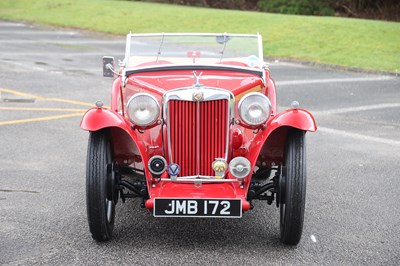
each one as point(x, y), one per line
point(157, 165)
point(239, 167)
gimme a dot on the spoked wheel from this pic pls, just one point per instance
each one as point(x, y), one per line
point(101, 196)
point(292, 188)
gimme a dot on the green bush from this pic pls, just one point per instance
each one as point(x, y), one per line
point(298, 7)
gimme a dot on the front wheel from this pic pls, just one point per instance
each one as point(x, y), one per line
point(293, 188)
point(100, 178)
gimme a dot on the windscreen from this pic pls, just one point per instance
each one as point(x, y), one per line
point(200, 49)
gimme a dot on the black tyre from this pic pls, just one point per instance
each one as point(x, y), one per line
point(100, 198)
point(293, 188)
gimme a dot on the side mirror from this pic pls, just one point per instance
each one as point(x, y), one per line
point(108, 66)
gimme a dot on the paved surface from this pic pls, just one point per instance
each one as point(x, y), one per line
point(47, 77)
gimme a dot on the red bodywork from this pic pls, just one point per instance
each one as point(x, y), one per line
point(263, 147)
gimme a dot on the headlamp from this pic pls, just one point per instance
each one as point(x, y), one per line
point(254, 108)
point(143, 109)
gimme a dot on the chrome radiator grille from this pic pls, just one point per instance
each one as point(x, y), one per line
point(198, 133)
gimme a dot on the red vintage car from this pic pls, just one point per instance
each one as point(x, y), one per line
point(193, 131)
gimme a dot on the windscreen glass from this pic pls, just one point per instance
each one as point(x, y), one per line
point(168, 49)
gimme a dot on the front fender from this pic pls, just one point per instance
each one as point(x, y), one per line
point(98, 118)
point(126, 144)
point(297, 118)
point(273, 144)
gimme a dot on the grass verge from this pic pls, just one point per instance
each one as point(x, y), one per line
point(356, 43)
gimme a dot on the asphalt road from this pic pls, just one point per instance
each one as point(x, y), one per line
point(49, 76)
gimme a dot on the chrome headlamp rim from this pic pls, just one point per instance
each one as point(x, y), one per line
point(153, 121)
point(244, 98)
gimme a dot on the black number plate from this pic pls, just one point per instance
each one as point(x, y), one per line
point(214, 208)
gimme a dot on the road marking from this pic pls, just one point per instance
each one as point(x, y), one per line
point(69, 101)
point(44, 98)
point(18, 190)
point(359, 136)
point(357, 109)
point(21, 94)
point(337, 80)
point(76, 112)
point(42, 109)
point(46, 118)
point(313, 238)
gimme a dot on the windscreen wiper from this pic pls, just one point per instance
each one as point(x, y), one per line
point(224, 40)
point(159, 49)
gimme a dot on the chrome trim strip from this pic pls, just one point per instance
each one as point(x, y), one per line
point(192, 34)
point(128, 46)
point(210, 94)
point(261, 59)
point(201, 180)
point(260, 52)
point(185, 94)
point(192, 177)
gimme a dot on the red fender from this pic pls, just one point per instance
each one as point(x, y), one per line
point(295, 118)
point(98, 118)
